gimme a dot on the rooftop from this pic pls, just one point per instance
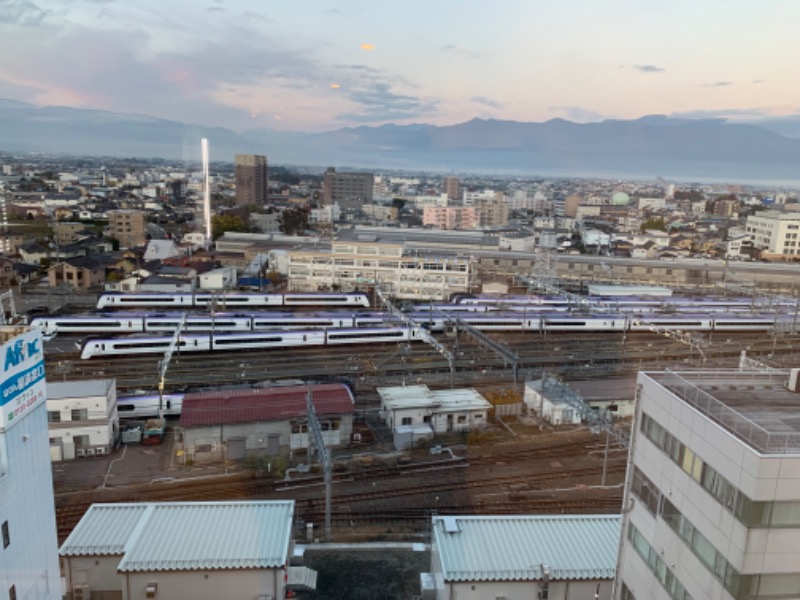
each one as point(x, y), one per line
point(515, 548)
point(78, 389)
point(186, 535)
point(756, 407)
point(264, 404)
point(414, 396)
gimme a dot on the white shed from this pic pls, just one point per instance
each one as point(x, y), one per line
point(553, 409)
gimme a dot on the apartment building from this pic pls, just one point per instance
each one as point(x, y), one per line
point(492, 212)
point(347, 189)
point(127, 227)
point(452, 188)
point(776, 234)
point(450, 217)
point(712, 501)
point(250, 173)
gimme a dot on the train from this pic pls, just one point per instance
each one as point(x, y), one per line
point(124, 323)
point(232, 300)
point(215, 341)
point(223, 342)
point(144, 407)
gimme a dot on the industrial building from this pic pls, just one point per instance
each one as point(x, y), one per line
point(82, 418)
point(776, 234)
point(712, 500)
point(522, 557)
point(29, 554)
point(184, 550)
point(236, 424)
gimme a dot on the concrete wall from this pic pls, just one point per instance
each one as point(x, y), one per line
point(99, 572)
point(201, 585)
point(526, 590)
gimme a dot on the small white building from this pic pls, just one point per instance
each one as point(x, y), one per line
point(522, 557)
point(222, 278)
point(184, 550)
point(82, 418)
point(416, 412)
point(549, 403)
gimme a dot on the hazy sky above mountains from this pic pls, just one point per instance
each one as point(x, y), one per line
point(313, 65)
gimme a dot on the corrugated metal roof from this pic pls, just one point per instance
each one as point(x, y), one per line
point(104, 529)
point(263, 404)
point(458, 400)
point(186, 535)
point(406, 396)
point(508, 548)
point(79, 389)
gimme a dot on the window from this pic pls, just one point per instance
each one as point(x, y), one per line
point(81, 441)
point(406, 421)
point(426, 419)
point(462, 419)
point(53, 416)
point(80, 414)
point(6, 535)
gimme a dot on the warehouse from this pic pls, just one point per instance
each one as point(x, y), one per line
point(237, 424)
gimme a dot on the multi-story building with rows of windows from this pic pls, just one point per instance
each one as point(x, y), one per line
point(712, 504)
point(776, 234)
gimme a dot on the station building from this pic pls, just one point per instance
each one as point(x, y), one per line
point(236, 424)
point(712, 504)
point(82, 418)
point(184, 550)
point(29, 551)
point(520, 557)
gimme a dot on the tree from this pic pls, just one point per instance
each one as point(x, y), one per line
point(222, 223)
point(654, 223)
point(294, 221)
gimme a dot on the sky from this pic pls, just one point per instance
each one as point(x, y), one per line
point(312, 65)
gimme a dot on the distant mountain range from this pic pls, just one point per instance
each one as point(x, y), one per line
point(645, 147)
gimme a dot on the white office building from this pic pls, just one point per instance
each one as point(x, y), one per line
point(82, 418)
point(775, 232)
point(712, 500)
point(29, 552)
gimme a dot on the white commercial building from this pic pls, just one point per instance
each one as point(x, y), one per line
point(522, 557)
point(775, 233)
point(82, 418)
point(29, 553)
point(712, 500)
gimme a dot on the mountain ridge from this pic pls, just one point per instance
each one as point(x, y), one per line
point(651, 144)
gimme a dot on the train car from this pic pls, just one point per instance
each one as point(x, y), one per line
point(117, 300)
point(583, 323)
point(143, 345)
point(145, 407)
point(52, 325)
point(745, 323)
point(234, 300)
point(676, 323)
point(215, 322)
point(352, 299)
point(367, 335)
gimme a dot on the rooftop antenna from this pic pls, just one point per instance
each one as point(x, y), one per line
point(206, 192)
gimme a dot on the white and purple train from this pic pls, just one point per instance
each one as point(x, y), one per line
point(232, 300)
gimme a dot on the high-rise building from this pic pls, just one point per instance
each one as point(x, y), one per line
point(251, 179)
point(712, 500)
point(347, 189)
point(452, 187)
point(127, 227)
point(29, 554)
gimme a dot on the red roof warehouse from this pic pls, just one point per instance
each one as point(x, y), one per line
point(234, 424)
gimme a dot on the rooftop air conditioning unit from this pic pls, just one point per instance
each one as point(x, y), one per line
point(80, 453)
point(99, 451)
point(151, 591)
point(90, 452)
